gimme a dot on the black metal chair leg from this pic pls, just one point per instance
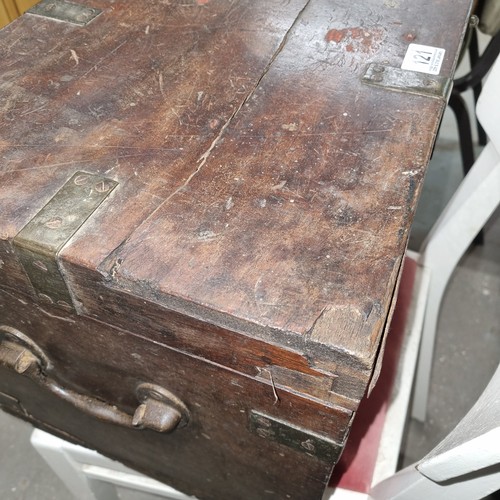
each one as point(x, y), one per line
point(473, 58)
point(459, 107)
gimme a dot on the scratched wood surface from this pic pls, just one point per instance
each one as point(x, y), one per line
point(265, 193)
point(262, 185)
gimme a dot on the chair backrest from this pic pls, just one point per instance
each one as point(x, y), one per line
point(465, 466)
point(474, 444)
point(470, 446)
point(488, 105)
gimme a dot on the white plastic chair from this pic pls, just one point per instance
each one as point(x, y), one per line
point(466, 213)
point(90, 476)
point(464, 466)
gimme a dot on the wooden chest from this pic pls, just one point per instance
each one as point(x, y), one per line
point(204, 209)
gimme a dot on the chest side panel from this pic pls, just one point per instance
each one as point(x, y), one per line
point(241, 437)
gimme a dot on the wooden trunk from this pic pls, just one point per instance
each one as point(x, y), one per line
point(204, 210)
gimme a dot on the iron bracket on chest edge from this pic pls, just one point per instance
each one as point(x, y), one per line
point(38, 244)
point(412, 82)
point(301, 440)
point(68, 12)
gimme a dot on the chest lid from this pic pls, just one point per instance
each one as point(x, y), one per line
point(263, 163)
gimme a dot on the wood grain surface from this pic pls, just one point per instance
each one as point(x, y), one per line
point(265, 193)
point(261, 183)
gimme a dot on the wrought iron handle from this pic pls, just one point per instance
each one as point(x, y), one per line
point(158, 409)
